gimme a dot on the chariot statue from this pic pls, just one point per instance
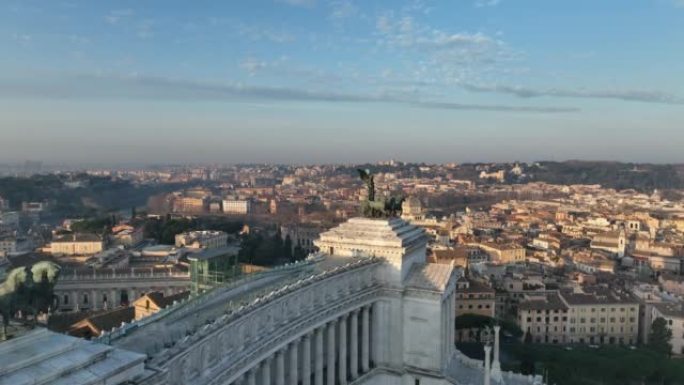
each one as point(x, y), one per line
point(375, 208)
point(28, 289)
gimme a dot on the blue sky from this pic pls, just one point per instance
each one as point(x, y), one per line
point(308, 81)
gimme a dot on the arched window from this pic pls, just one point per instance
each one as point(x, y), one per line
point(85, 298)
point(66, 299)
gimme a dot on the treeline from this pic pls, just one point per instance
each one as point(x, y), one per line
point(621, 176)
point(164, 230)
point(265, 250)
point(98, 194)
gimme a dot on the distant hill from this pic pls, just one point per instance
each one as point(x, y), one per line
point(640, 177)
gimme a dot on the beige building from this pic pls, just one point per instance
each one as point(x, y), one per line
point(187, 204)
point(155, 301)
point(612, 241)
point(237, 206)
point(77, 244)
point(474, 297)
point(599, 317)
point(504, 253)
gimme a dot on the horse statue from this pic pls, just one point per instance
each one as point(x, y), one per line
point(29, 289)
point(372, 208)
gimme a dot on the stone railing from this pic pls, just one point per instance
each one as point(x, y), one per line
point(192, 304)
point(233, 343)
point(476, 369)
point(98, 275)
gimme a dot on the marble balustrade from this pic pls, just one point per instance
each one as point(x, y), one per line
point(317, 332)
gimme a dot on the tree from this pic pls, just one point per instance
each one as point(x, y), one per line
point(287, 248)
point(660, 336)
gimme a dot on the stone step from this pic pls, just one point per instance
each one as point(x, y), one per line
point(51, 368)
point(36, 346)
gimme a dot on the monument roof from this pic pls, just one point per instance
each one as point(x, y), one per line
point(47, 357)
point(429, 276)
point(385, 232)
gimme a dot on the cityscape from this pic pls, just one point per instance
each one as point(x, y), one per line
point(342, 192)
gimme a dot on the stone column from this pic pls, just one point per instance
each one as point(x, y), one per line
point(365, 337)
point(94, 301)
point(343, 350)
point(113, 301)
point(306, 360)
point(251, 377)
point(496, 366)
point(280, 368)
point(330, 367)
point(354, 345)
point(266, 372)
point(318, 358)
point(378, 349)
point(294, 355)
point(487, 368)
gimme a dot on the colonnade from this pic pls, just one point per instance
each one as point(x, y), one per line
point(95, 299)
point(335, 353)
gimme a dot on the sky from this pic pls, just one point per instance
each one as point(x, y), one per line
point(328, 81)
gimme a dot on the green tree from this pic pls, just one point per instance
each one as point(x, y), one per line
point(287, 248)
point(660, 336)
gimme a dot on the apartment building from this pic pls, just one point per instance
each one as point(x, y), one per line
point(474, 297)
point(237, 206)
point(77, 244)
point(601, 316)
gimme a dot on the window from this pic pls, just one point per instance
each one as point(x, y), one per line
point(85, 299)
point(147, 304)
point(416, 381)
point(66, 299)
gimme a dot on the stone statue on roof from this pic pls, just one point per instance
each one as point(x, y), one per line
point(28, 289)
point(373, 208)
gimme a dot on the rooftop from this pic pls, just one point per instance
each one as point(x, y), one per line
point(429, 276)
point(42, 357)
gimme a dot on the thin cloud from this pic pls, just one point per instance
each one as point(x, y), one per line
point(298, 3)
point(487, 3)
point(161, 88)
point(343, 9)
point(115, 16)
point(495, 107)
point(625, 95)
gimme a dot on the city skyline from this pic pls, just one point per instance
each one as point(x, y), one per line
point(307, 81)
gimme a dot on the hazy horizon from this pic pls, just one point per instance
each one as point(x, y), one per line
point(341, 81)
